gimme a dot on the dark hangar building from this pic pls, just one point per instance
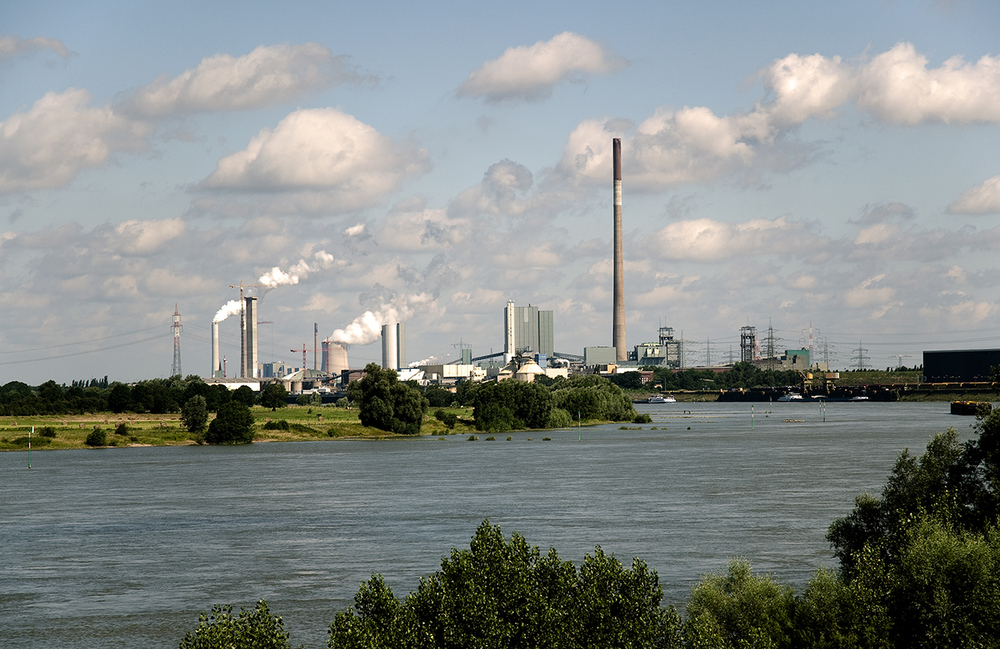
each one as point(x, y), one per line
point(963, 365)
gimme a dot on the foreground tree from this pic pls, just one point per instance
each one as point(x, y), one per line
point(194, 414)
point(233, 425)
point(385, 403)
point(507, 594)
point(274, 396)
point(251, 629)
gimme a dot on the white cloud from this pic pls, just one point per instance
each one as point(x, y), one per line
point(406, 229)
point(804, 87)
point(59, 136)
point(11, 46)
point(981, 199)
point(530, 73)
point(143, 237)
point(321, 150)
point(711, 240)
point(266, 76)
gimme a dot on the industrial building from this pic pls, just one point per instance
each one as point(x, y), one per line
point(961, 365)
point(527, 330)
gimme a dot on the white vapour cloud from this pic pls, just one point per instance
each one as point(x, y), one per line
point(367, 327)
point(11, 46)
point(530, 72)
point(277, 277)
point(981, 199)
point(266, 76)
point(232, 307)
point(143, 237)
point(324, 150)
point(59, 136)
point(711, 240)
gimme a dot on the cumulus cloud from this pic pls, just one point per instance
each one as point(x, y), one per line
point(320, 150)
point(416, 227)
point(981, 199)
point(693, 144)
point(59, 136)
point(266, 76)
point(143, 237)
point(531, 72)
point(11, 46)
point(711, 240)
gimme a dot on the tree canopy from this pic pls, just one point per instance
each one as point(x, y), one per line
point(386, 403)
point(234, 424)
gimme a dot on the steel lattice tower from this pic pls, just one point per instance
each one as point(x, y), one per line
point(175, 369)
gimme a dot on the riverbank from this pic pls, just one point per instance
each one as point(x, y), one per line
point(304, 424)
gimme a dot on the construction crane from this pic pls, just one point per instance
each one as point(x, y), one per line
point(303, 350)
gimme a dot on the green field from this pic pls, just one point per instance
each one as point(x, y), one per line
point(305, 423)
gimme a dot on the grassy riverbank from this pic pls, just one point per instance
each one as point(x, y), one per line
point(305, 423)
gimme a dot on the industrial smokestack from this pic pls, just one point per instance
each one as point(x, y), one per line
point(315, 345)
point(618, 323)
point(250, 322)
point(216, 366)
point(394, 346)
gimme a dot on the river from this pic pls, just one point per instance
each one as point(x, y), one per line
point(125, 547)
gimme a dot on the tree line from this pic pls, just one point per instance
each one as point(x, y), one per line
point(919, 567)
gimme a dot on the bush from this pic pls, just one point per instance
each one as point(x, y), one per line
point(559, 418)
point(642, 419)
point(121, 429)
point(220, 629)
point(279, 424)
point(47, 431)
point(233, 425)
point(449, 419)
point(97, 437)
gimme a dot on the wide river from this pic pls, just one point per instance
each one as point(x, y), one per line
point(125, 547)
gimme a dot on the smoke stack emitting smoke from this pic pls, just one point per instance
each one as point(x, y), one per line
point(232, 307)
point(277, 277)
point(367, 327)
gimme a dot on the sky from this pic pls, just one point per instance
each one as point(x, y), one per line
point(826, 171)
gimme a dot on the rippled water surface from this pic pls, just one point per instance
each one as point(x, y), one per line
point(125, 547)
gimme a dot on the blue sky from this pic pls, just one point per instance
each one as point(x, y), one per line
point(824, 165)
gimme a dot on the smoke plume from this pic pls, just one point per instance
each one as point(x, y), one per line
point(276, 277)
point(367, 327)
point(232, 307)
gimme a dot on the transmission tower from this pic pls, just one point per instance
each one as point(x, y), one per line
point(175, 369)
point(708, 352)
point(769, 346)
point(748, 344)
point(899, 359)
point(860, 355)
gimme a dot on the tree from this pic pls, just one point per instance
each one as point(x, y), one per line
point(274, 396)
point(119, 398)
point(194, 414)
point(233, 425)
point(507, 594)
point(385, 403)
point(256, 629)
point(245, 395)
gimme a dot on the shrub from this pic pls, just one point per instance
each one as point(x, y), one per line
point(121, 429)
point(449, 419)
point(47, 431)
point(97, 437)
point(256, 628)
point(233, 425)
point(642, 419)
point(279, 424)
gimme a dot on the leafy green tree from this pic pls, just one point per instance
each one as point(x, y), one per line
point(438, 397)
point(507, 594)
point(251, 629)
point(245, 395)
point(119, 398)
point(233, 425)
point(96, 437)
point(385, 403)
point(274, 396)
point(740, 609)
point(194, 414)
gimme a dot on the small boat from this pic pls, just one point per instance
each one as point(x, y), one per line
point(659, 398)
point(791, 396)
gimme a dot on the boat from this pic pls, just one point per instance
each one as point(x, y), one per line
point(659, 398)
point(791, 396)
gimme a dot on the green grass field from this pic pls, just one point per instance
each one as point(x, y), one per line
point(305, 423)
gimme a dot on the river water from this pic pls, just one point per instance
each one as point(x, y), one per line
point(125, 547)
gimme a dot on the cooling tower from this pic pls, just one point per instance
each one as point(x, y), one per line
point(618, 323)
point(337, 359)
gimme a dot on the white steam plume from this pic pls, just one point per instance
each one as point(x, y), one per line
point(232, 307)
point(276, 277)
point(367, 327)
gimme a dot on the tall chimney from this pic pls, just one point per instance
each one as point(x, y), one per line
point(315, 345)
point(618, 323)
point(216, 367)
point(250, 321)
